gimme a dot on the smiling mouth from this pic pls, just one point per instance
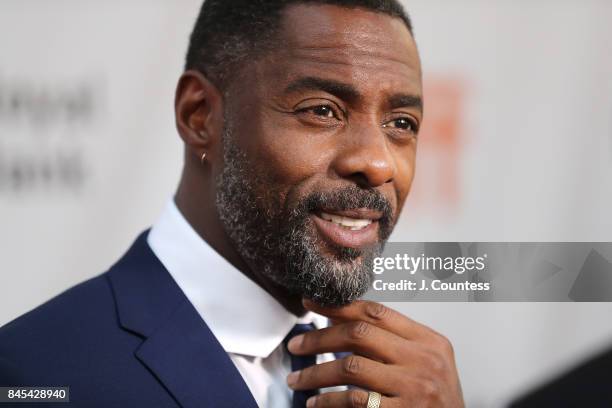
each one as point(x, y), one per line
point(355, 228)
point(353, 224)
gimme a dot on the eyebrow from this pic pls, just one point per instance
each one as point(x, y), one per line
point(341, 90)
point(406, 101)
point(349, 93)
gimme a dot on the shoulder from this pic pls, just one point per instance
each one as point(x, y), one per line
point(57, 334)
point(73, 306)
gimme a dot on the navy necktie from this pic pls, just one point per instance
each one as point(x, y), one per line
point(299, 363)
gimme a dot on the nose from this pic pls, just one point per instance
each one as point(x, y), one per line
point(364, 156)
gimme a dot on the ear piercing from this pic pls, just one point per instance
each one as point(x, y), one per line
point(202, 134)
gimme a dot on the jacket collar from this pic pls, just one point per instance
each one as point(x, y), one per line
point(178, 346)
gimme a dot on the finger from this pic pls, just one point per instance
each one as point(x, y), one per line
point(377, 314)
point(351, 370)
point(358, 337)
point(351, 399)
point(416, 392)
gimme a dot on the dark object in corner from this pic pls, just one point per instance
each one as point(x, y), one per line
point(588, 385)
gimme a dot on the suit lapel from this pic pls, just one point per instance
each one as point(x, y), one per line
point(178, 348)
point(189, 360)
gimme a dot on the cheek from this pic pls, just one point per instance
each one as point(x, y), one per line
point(289, 156)
point(406, 166)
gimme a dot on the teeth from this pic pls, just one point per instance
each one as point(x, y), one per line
point(354, 224)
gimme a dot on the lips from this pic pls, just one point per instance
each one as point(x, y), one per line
point(356, 228)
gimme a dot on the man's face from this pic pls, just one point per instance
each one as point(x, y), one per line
point(319, 149)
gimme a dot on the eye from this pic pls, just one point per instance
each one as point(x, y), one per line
point(405, 124)
point(319, 113)
point(325, 111)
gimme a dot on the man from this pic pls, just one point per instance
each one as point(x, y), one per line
point(300, 122)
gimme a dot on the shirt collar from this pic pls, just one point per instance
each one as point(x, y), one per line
point(243, 317)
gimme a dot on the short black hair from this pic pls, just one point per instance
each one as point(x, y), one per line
point(230, 32)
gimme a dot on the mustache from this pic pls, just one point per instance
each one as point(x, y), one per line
point(352, 197)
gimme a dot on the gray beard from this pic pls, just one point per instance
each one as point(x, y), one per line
point(281, 243)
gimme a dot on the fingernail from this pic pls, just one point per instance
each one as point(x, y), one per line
point(311, 402)
point(293, 378)
point(295, 343)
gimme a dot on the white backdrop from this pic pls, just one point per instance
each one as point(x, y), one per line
point(518, 147)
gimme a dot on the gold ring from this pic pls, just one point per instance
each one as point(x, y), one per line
point(203, 157)
point(374, 399)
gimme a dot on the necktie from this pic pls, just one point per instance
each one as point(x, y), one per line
point(299, 363)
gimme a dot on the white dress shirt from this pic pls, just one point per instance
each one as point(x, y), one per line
point(247, 321)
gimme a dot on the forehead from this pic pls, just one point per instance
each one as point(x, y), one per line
point(348, 44)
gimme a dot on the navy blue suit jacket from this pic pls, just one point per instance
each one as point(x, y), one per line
point(126, 338)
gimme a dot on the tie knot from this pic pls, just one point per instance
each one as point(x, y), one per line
point(300, 363)
point(297, 330)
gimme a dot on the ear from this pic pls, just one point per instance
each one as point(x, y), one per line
point(198, 108)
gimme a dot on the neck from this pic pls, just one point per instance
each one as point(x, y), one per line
point(200, 212)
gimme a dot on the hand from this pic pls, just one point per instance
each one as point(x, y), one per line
point(408, 363)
